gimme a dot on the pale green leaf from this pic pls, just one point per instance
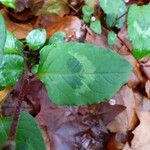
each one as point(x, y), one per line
point(139, 29)
point(112, 37)
point(36, 39)
point(12, 45)
point(28, 136)
point(76, 73)
point(11, 68)
point(113, 10)
point(9, 3)
point(96, 26)
point(2, 34)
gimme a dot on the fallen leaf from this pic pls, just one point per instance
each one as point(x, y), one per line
point(141, 140)
point(19, 29)
point(147, 88)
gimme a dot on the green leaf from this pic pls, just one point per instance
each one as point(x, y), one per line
point(76, 73)
point(2, 34)
point(9, 3)
point(87, 12)
point(96, 26)
point(139, 29)
point(34, 69)
point(57, 37)
point(12, 45)
point(28, 136)
point(113, 10)
point(36, 39)
point(112, 37)
point(11, 68)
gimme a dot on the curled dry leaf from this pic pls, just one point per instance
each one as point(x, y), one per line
point(126, 120)
point(147, 88)
point(19, 29)
point(69, 24)
point(141, 140)
point(4, 93)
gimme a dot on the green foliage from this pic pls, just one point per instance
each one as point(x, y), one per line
point(76, 73)
point(57, 37)
point(11, 68)
point(112, 37)
point(87, 13)
point(113, 10)
point(36, 39)
point(12, 45)
point(2, 34)
point(139, 29)
point(9, 3)
point(28, 136)
point(96, 26)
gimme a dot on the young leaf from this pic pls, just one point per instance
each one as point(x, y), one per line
point(96, 26)
point(112, 38)
point(11, 67)
point(76, 73)
point(87, 12)
point(36, 39)
point(139, 29)
point(28, 134)
point(113, 10)
point(12, 45)
point(9, 3)
point(2, 34)
point(57, 37)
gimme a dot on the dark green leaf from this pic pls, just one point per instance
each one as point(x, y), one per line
point(96, 26)
point(139, 29)
point(2, 34)
point(12, 45)
point(36, 39)
point(76, 73)
point(28, 135)
point(11, 68)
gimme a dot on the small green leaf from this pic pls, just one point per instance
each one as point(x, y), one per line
point(76, 73)
point(57, 37)
point(36, 39)
point(96, 26)
point(112, 37)
point(28, 136)
point(87, 12)
point(139, 29)
point(34, 69)
point(12, 45)
point(113, 10)
point(9, 3)
point(11, 68)
point(2, 34)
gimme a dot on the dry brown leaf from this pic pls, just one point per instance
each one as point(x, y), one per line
point(4, 93)
point(19, 29)
point(141, 140)
point(127, 119)
point(147, 88)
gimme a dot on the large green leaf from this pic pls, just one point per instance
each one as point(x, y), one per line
point(2, 34)
point(28, 136)
point(11, 67)
point(113, 10)
point(76, 73)
point(139, 29)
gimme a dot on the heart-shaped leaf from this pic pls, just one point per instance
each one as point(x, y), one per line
point(76, 73)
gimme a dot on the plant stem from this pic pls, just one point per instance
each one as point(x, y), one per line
point(13, 129)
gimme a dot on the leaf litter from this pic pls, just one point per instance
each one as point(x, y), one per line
point(95, 127)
